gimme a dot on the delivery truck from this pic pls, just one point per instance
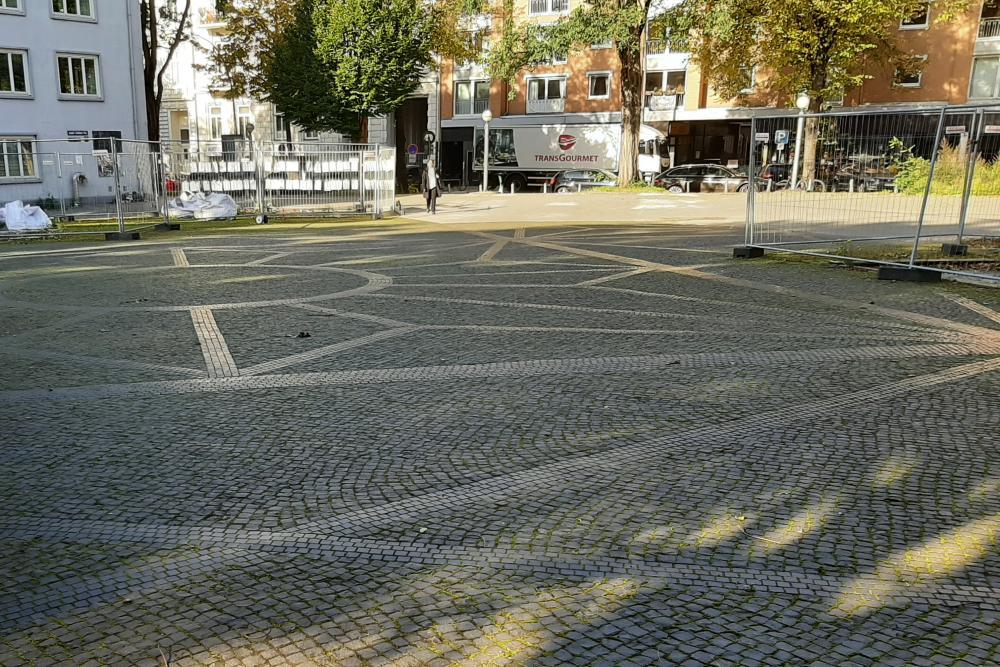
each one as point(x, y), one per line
point(526, 156)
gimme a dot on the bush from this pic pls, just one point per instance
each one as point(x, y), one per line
point(949, 175)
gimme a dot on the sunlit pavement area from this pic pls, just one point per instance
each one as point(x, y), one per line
point(445, 444)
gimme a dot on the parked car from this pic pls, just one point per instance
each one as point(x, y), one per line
point(582, 179)
point(777, 173)
point(701, 178)
point(863, 178)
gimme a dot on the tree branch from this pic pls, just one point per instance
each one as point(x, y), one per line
point(174, 43)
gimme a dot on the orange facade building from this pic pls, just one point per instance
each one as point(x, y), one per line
point(684, 119)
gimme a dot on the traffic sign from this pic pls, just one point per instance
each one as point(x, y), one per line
point(781, 137)
point(954, 129)
point(992, 129)
point(412, 149)
point(762, 136)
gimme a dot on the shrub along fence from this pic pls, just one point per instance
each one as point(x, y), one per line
point(910, 188)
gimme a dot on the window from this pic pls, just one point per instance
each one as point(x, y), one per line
point(549, 6)
point(546, 89)
point(751, 80)
point(280, 126)
point(471, 97)
point(215, 122)
point(599, 85)
point(11, 7)
point(102, 140)
point(985, 78)
point(244, 116)
point(601, 45)
point(310, 135)
point(909, 79)
point(13, 73)
point(918, 20)
point(77, 9)
point(79, 76)
point(17, 158)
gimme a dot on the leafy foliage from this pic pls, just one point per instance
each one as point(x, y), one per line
point(823, 47)
point(949, 174)
point(300, 84)
point(375, 50)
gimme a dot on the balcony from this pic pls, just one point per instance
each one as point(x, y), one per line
point(470, 107)
point(547, 106)
point(989, 28)
point(665, 102)
point(655, 47)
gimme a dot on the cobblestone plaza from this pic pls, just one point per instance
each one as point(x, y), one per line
point(444, 445)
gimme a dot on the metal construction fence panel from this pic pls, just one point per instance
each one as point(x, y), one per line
point(917, 186)
point(116, 179)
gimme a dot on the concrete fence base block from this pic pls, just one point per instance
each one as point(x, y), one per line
point(121, 236)
point(955, 249)
point(168, 227)
point(747, 252)
point(908, 274)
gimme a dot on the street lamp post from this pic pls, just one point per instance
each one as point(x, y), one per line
point(487, 117)
point(802, 102)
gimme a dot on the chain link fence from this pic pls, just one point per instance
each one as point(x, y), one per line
point(917, 187)
point(135, 183)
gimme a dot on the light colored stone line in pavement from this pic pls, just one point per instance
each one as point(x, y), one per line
point(327, 350)
point(492, 251)
point(264, 260)
point(364, 317)
point(750, 284)
point(976, 307)
point(584, 366)
point(85, 360)
point(478, 274)
point(218, 360)
point(596, 465)
point(78, 593)
point(180, 259)
point(612, 277)
point(749, 311)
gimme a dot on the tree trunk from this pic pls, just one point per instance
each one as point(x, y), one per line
point(150, 45)
point(809, 140)
point(631, 84)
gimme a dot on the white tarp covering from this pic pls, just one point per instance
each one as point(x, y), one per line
point(199, 206)
point(19, 218)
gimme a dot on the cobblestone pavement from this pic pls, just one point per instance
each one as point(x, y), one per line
point(419, 445)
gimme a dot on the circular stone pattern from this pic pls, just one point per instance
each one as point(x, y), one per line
point(181, 288)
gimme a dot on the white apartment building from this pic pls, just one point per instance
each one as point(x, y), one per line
point(195, 113)
point(69, 69)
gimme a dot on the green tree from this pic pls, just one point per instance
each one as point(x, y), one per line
point(375, 50)
point(163, 30)
point(820, 47)
point(326, 64)
point(522, 46)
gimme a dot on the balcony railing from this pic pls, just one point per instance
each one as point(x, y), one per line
point(989, 28)
point(655, 47)
point(666, 102)
point(546, 106)
point(549, 6)
point(470, 107)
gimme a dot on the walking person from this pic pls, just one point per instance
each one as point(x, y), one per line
point(429, 184)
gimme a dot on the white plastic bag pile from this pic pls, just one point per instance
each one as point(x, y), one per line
point(199, 206)
point(19, 218)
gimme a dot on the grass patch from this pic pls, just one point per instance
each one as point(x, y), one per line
point(83, 231)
